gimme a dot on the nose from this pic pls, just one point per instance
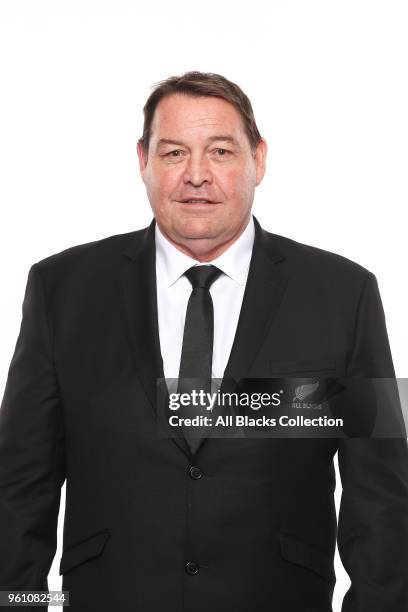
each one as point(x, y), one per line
point(197, 171)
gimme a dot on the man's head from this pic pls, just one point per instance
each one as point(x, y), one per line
point(200, 142)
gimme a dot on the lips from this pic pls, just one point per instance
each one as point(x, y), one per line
point(197, 201)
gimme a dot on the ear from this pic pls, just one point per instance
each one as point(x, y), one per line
point(260, 159)
point(142, 159)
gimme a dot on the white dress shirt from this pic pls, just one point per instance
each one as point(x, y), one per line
point(174, 289)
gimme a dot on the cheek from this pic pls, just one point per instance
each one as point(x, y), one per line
point(237, 182)
point(166, 181)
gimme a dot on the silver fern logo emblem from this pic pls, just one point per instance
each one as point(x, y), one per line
point(305, 390)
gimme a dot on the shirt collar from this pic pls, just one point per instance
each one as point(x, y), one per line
point(234, 262)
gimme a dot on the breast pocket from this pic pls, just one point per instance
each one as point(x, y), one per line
point(323, 365)
point(85, 550)
point(300, 553)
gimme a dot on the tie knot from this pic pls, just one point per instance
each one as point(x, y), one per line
point(202, 276)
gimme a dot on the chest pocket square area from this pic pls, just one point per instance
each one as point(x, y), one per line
point(322, 364)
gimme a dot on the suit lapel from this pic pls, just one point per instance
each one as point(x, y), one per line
point(139, 300)
point(266, 284)
point(265, 287)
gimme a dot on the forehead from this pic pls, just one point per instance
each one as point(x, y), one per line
point(189, 116)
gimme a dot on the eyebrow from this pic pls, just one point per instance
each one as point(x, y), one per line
point(222, 137)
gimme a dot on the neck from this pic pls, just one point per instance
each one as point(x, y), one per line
point(201, 250)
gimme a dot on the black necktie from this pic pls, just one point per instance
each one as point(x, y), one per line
point(197, 349)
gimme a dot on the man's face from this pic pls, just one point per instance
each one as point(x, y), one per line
point(199, 150)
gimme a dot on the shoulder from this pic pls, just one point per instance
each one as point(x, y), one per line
point(308, 259)
point(85, 269)
point(98, 253)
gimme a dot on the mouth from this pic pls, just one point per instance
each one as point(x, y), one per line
point(197, 201)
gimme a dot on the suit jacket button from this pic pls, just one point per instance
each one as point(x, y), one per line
point(195, 472)
point(192, 568)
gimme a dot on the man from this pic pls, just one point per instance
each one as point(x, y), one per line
point(176, 522)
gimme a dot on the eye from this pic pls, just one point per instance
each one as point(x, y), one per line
point(223, 152)
point(174, 153)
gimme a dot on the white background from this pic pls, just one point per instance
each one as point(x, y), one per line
point(328, 84)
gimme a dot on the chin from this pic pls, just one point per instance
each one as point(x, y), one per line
point(198, 228)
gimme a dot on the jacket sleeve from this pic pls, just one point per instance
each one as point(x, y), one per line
point(32, 467)
point(373, 518)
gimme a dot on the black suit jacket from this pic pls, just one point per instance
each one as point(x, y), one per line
point(253, 529)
